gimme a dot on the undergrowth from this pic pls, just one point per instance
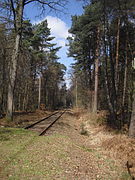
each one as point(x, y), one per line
point(90, 118)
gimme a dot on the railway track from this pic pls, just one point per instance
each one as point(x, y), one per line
point(46, 123)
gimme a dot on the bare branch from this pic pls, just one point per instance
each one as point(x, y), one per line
point(14, 14)
point(52, 4)
point(28, 1)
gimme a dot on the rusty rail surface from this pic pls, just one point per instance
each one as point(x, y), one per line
point(50, 124)
point(29, 126)
point(44, 131)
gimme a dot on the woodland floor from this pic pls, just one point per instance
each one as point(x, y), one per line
point(64, 153)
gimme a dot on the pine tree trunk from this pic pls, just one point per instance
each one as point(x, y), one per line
point(117, 55)
point(113, 90)
point(39, 93)
point(125, 77)
point(76, 93)
point(19, 102)
point(110, 93)
point(24, 99)
point(95, 103)
point(132, 123)
point(12, 76)
point(13, 66)
point(2, 109)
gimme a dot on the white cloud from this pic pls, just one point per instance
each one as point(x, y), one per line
point(58, 27)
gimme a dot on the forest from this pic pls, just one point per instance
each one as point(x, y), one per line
point(67, 123)
point(30, 73)
point(102, 45)
point(101, 42)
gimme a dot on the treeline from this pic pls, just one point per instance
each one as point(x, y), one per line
point(102, 44)
point(38, 75)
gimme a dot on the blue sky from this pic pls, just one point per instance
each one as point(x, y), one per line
point(59, 24)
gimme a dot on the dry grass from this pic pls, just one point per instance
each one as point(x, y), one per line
point(116, 145)
point(123, 149)
point(89, 119)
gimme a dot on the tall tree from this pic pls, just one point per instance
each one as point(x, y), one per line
point(16, 8)
point(95, 102)
point(132, 122)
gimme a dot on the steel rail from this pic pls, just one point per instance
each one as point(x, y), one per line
point(29, 126)
point(44, 131)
